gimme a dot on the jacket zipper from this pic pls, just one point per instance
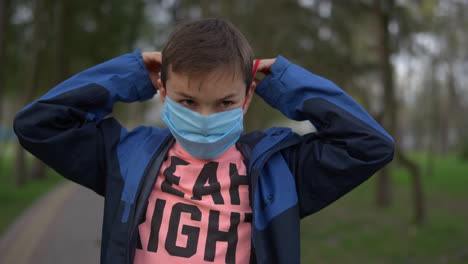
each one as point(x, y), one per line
point(254, 176)
point(163, 148)
point(129, 238)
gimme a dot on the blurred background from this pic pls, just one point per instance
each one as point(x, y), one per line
point(405, 62)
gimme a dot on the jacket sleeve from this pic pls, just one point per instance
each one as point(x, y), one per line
point(66, 128)
point(348, 147)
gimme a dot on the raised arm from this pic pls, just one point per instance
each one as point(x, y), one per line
point(66, 129)
point(348, 147)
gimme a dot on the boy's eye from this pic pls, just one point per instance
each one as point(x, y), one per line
point(226, 103)
point(187, 102)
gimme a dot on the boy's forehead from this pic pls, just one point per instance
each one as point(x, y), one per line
point(216, 84)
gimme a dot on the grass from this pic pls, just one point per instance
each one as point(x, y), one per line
point(448, 174)
point(353, 230)
point(13, 199)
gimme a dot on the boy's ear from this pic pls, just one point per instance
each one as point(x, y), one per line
point(249, 96)
point(162, 91)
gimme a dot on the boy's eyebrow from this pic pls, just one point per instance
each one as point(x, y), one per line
point(191, 97)
point(227, 97)
point(185, 95)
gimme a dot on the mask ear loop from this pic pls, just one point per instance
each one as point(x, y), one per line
point(255, 68)
point(254, 72)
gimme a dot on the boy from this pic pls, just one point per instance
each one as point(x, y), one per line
point(200, 191)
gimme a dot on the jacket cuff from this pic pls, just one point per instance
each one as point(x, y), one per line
point(142, 81)
point(269, 87)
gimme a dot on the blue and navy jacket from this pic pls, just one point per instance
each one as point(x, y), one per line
point(291, 176)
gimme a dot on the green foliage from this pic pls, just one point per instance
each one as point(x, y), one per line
point(13, 199)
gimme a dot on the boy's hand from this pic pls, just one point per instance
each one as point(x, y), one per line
point(264, 67)
point(153, 62)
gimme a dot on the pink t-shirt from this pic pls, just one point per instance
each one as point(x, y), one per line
point(198, 211)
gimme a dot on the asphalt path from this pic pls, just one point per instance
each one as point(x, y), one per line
point(63, 226)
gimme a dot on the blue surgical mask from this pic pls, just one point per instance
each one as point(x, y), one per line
point(203, 136)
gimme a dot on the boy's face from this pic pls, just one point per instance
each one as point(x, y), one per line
point(211, 93)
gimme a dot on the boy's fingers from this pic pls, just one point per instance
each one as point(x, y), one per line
point(265, 65)
point(153, 60)
point(158, 57)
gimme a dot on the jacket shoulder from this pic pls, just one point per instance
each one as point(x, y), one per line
point(141, 141)
point(262, 140)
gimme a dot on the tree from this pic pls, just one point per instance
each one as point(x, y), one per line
point(4, 22)
point(38, 44)
point(383, 13)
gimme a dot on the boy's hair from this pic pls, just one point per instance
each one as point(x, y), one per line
point(201, 46)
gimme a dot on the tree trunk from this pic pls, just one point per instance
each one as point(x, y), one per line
point(434, 119)
point(383, 12)
point(39, 169)
point(60, 29)
point(454, 109)
point(4, 19)
point(383, 194)
point(28, 93)
point(383, 198)
point(419, 212)
point(20, 166)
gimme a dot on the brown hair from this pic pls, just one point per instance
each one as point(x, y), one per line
point(201, 46)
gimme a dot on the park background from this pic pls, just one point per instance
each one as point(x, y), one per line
point(405, 62)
